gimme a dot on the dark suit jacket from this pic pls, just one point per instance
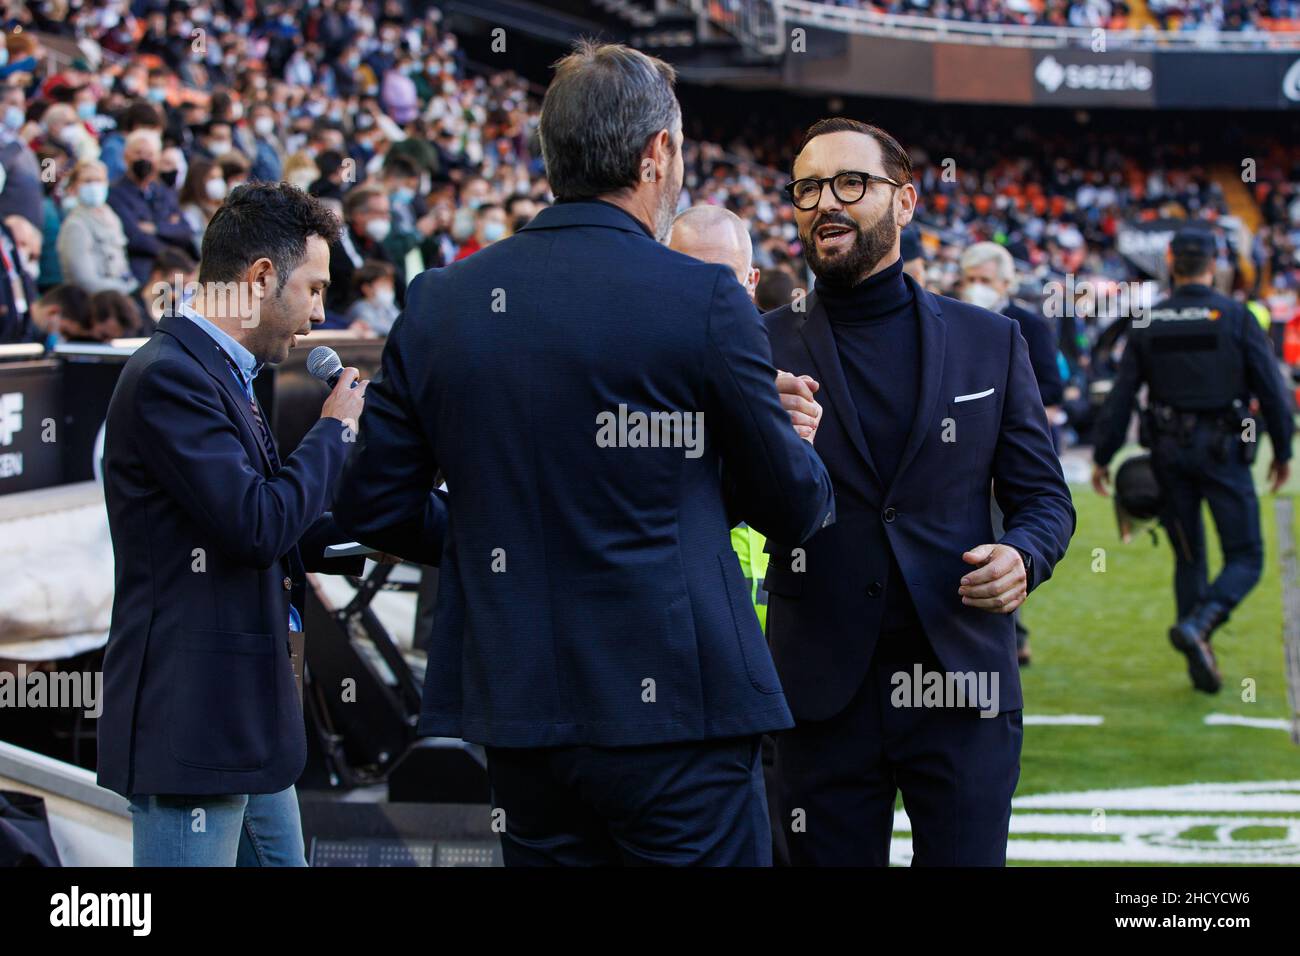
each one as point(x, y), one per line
point(1041, 340)
point(824, 621)
point(15, 323)
point(157, 205)
point(587, 594)
point(210, 545)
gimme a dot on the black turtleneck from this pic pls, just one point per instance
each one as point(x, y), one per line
point(878, 339)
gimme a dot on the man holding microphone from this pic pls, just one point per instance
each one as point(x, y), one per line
point(212, 537)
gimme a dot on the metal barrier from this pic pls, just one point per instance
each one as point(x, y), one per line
point(764, 25)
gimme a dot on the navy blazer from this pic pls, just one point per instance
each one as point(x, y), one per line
point(209, 546)
point(979, 424)
point(1041, 341)
point(157, 205)
point(588, 593)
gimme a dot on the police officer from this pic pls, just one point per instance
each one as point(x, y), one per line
point(1202, 356)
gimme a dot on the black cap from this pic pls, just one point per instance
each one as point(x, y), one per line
point(1137, 491)
point(909, 244)
point(1193, 241)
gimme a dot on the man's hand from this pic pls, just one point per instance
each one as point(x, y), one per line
point(345, 402)
point(1101, 480)
point(797, 398)
point(147, 227)
point(999, 584)
point(1278, 473)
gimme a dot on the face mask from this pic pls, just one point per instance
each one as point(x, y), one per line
point(977, 293)
point(216, 189)
point(219, 147)
point(365, 121)
point(264, 126)
point(493, 231)
point(92, 194)
point(168, 178)
point(70, 135)
point(86, 111)
point(403, 196)
point(462, 226)
point(378, 229)
point(385, 295)
point(157, 94)
point(14, 117)
point(142, 169)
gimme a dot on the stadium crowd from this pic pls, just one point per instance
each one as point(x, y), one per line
point(124, 129)
point(1171, 15)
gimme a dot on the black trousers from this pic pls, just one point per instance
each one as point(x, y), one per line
point(1202, 471)
point(957, 771)
point(699, 803)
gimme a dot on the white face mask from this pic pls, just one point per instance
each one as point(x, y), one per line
point(385, 295)
point(92, 194)
point(216, 189)
point(977, 293)
point(378, 229)
point(264, 126)
point(219, 147)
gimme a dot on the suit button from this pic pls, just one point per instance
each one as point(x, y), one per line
point(875, 589)
point(889, 514)
point(288, 584)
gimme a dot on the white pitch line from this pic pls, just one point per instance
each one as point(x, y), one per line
point(1265, 723)
point(1064, 720)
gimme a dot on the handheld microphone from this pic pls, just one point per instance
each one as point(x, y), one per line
point(324, 363)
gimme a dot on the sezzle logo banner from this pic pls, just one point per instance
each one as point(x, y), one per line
point(1291, 83)
point(1087, 78)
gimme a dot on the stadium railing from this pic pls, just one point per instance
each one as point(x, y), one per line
point(762, 25)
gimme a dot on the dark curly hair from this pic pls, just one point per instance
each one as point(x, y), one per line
point(263, 221)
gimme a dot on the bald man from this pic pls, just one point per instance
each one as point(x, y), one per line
point(716, 234)
point(149, 211)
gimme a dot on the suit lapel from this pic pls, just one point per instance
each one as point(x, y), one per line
point(932, 354)
point(204, 348)
point(834, 392)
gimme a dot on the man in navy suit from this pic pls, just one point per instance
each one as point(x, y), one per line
point(582, 388)
point(890, 629)
point(212, 537)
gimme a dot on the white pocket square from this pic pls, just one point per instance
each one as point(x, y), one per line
point(973, 395)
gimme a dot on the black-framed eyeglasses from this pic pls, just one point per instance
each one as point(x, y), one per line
point(848, 187)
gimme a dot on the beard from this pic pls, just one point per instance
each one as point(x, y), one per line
point(667, 207)
point(270, 339)
point(843, 270)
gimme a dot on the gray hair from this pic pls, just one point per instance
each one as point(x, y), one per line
point(604, 104)
point(982, 252)
point(718, 224)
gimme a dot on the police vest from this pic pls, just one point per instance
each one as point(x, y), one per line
point(1191, 352)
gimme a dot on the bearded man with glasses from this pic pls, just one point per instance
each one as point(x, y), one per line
point(891, 629)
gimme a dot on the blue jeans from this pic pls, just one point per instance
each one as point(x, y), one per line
point(259, 829)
